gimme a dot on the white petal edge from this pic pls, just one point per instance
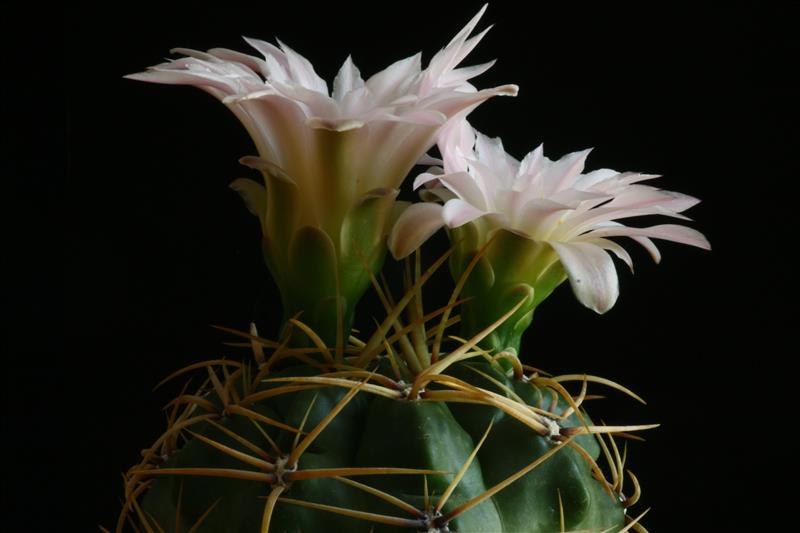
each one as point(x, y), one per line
point(413, 227)
point(667, 232)
point(457, 212)
point(591, 274)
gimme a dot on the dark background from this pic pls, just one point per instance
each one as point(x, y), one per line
point(127, 243)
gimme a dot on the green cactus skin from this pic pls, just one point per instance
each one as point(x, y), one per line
point(377, 431)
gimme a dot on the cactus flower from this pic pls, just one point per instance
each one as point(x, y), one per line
point(558, 218)
point(331, 160)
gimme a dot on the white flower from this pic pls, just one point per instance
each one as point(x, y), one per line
point(335, 146)
point(546, 202)
point(332, 161)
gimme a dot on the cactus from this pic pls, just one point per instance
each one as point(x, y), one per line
point(356, 440)
point(413, 426)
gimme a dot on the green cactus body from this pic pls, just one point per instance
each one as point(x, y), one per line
point(373, 431)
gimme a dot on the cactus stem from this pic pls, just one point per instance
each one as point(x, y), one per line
point(477, 500)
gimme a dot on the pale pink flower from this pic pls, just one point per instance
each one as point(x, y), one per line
point(546, 202)
point(332, 161)
point(335, 147)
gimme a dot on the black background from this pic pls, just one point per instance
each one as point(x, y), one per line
point(127, 242)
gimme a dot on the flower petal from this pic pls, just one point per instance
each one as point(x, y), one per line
point(667, 232)
point(348, 79)
point(564, 172)
point(391, 82)
point(457, 212)
point(460, 76)
point(490, 152)
point(614, 248)
point(428, 160)
point(254, 196)
point(591, 274)
point(413, 227)
point(650, 246)
point(256, 64)
point(453, 103)
point(184, 77)
point(425, 178)
point(303, 71)
point(451, 55)
point(456, 139)
point(465, 187)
